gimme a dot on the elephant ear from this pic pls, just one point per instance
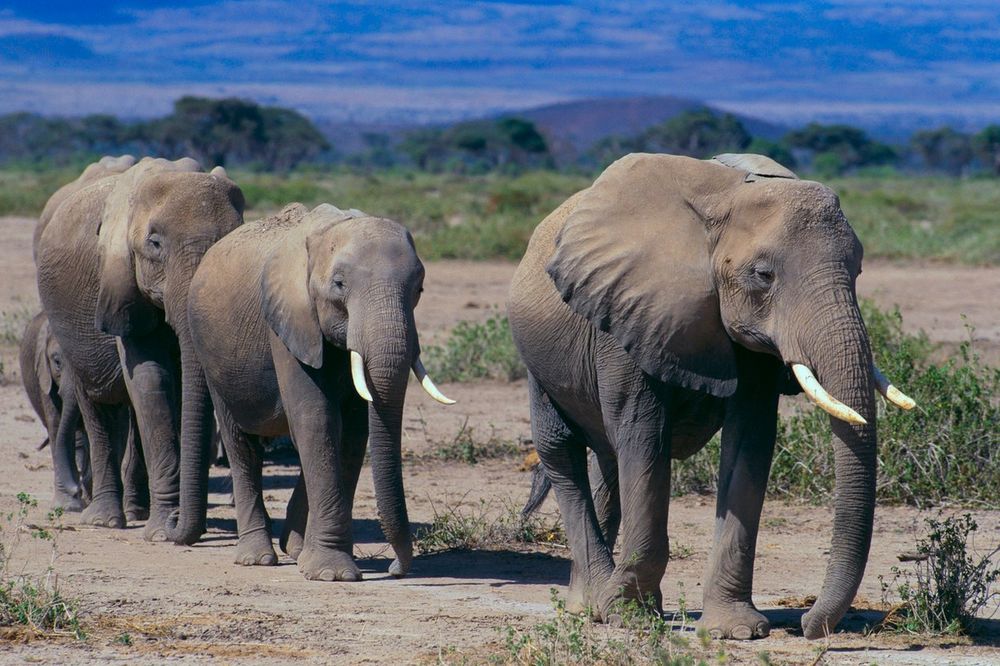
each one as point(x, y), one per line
point(42, 369)
point(756, 166)
point(122, 310)
point(285, 300)
point(633, 258)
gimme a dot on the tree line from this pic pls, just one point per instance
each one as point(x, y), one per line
point(235, 132)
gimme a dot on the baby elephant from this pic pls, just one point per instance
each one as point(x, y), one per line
point(53, 396)
point(304, 325)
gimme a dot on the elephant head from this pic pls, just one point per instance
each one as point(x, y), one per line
point(106, 166)
point(158, 221)
point(680, 260)
point(350, 282)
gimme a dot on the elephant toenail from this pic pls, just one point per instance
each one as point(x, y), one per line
point(350, 576)
point(742, 632)
point(327, 574)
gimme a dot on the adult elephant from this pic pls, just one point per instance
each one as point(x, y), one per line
point(114, 265)
point(671, 298)
point(52, 395)
point(293, 318)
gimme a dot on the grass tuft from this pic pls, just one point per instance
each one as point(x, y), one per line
point(489, 526)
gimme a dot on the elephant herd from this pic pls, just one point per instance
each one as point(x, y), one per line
point(673, 298)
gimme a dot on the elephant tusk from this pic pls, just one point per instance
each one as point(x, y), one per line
point(826, 402)
point(891, 393)
point(425, 380)
point(358, 376)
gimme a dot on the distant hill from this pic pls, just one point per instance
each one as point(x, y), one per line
point(570, 127)
point(573, 127)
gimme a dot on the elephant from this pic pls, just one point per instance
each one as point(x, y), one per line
point(304, 325)
point(52, 395)
point(114, 264)
point(673, 298)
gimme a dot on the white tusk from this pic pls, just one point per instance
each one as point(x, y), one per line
point(826, 402)
point(358, 376)
point(425, 380)
point(891, 393)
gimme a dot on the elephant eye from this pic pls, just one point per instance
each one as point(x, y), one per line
point(338, 281)
point(764, 275)
point(154, 242)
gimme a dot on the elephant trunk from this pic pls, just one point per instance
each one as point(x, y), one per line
point(842, 360)
point(195, 435)
point(388, 345)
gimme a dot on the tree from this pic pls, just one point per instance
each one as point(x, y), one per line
point(841, 147)
point(699, 133)
point(987, 146)
point(943, 149)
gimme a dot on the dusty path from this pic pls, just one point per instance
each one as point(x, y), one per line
point(195, 604)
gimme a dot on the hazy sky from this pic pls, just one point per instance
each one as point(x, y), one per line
point(435, 60)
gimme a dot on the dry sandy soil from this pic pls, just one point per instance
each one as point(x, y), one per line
point(194, 604)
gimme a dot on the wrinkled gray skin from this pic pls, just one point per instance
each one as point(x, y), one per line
point(114, 264)
point(660, 304)
point(53, 397)
point(274, 309)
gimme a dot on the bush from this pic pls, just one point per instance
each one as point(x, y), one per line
point(482, 529)
point(947, 449)
point(464, 447)
point(948, 588)
point(476, 351)
point(33, 601)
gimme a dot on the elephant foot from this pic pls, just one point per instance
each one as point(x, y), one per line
point(255, 549)
point(68, 502)
point(104, 511)
point(136, 510)
point(615, 593)
point(156, 523)
point(328, 564)
point(739, 621)
point(291, 544)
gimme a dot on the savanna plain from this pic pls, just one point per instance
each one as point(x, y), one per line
point(482, 588)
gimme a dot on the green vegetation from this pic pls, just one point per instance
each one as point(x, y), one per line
point(506, 144)
point(465, 447)
point(948, 586)
point(924, 218)
point(641, 637)
point(487, 527)
point(945, 450)
point(33, 602)
point(492, 216)
point(476, 351)
point(215, 132)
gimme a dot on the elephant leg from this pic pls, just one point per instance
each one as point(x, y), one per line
point(607, 503)
point(103, 428)
point(747, 448)
point(68, 491)
point(294, 532)
point(253, 526)
point(564, 455)
point(354, 442)
point(150, 370)
point(635, 421)
point(83, 463)
point(134, 475)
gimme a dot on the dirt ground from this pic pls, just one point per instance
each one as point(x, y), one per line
point(194, 604)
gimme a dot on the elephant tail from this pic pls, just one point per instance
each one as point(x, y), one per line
point(540, 487)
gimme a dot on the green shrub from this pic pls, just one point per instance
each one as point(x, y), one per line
point(946, 449)
point(948, 586)
point(482, 528)
point(467, 448)
point(33, 601)
point(476, 351)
